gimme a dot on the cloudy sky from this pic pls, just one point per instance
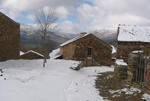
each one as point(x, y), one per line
point(82, 15)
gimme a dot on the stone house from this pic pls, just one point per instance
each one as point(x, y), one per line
point(132, 38)
point(87, 48)
point(31, 55)
point(9, 38)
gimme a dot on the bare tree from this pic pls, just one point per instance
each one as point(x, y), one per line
point(46, 20)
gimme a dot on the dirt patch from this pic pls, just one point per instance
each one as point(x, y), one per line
point(116, 90)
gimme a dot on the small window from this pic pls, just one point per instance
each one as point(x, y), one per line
point(89, 51)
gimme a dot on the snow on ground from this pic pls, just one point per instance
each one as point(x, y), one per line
point(146, 97)
point(126, 90)
point(27, 80)
point(129, 91)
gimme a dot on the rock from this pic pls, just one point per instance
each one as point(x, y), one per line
point(144, 90)
point(136, 92)
point(137, 85)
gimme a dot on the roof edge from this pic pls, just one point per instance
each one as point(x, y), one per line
point(33, 52)
point(9, 18)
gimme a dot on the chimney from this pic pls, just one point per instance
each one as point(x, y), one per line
point(82, 34)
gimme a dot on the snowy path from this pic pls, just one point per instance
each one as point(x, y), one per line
point(72, 88)
point(27, 80)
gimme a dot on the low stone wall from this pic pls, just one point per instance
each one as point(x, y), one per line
point(132, 65)
point(90, 62)
point(77, 67)
point(120, 69)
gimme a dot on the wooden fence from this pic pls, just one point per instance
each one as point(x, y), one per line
point(141, 69)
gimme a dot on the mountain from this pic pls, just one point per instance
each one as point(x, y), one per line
point(27, 33)
point(105, 34)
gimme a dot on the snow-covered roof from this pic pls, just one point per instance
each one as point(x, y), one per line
point(74, 39)
point(134, 33)
point(21, 53)
point(113, 49)
point(55, 53)
point(33, 52)
point(121, 62)
point(135, 52)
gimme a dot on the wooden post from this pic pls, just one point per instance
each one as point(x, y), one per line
point(137, 67)
point(145, 68)
point(141, 68)
point(92, 58)
point(86, 61)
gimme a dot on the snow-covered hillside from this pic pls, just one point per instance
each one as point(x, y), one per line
point(31, 28)
point(105, 34)
point(27, 80)
point(27, 27)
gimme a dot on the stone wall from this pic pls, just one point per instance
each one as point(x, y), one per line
point(120, 69)
point(31, 56)
point(125, 48)
point(68, 51)
point(9, 38)
point(132, 65)
point(78, 50)
point(90, 62)
point(138, 71)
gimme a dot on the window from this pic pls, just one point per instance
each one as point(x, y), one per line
point(89, 51)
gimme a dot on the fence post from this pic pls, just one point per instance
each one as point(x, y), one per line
point(141, 69)
point(145, 69)
point(137, 67)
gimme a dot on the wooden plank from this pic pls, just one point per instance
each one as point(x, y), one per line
point(92, 60)
point(86, 61)
point(137, 67)
point(145, 71)
point(141, 69)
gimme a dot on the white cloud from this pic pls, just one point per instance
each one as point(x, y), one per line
point(114, 20)
point(62, 12)
point(104, 13)
point(134, 7)
point(30, 17)
point(12, 15)
point(16, 7)
point(32, 5)
point(110, 13)
point(71, 27)
point(89, 15)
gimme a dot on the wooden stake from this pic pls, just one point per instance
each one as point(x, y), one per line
point(137, 67)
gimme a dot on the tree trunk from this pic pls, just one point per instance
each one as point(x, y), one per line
point(44, 58)
point(44, 63)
